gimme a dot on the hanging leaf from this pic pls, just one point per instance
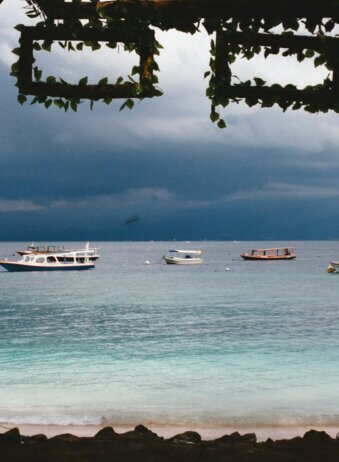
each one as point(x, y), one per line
point(37, 73)
point(214, 116)
point(259, 82)
point(130, 103)
point(83, 81)
point(74, 106)
point(59, 103)
point(22, 99)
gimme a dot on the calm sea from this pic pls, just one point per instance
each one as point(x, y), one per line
point(129, 343)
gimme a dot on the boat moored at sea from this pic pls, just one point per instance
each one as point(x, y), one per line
point(58, 261)
point(183, 257)
point(333, 267)
point(277, 253)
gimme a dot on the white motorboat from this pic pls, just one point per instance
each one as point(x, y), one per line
point(91, 252)
point(183, 257)
point(78, 259)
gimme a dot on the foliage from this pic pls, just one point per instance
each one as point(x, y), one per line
point(145, 87)
point(233, 38)
point(223, 88)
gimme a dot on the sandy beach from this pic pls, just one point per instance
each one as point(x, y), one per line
point(207, 432)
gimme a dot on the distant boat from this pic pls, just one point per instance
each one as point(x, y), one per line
point(92, 252)
point(283, 253)
point(52, 261)
point(183, 257)
point(333, 267)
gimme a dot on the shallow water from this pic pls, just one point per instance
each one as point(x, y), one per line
point(127, 342)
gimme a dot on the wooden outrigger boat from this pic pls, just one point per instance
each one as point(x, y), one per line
point(279, 253)
point(333, 267)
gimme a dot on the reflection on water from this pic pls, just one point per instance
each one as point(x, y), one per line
point(306, 32)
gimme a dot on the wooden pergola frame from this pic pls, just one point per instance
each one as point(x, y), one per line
point(184, 14)
point(309, 95)
point(27, 86)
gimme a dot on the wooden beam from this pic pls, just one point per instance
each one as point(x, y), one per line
point(144, 39)
point(121, 34)
point(296, 42)
point(318, 96)
point(323, 96)
point(196, 9)
point(91, 92)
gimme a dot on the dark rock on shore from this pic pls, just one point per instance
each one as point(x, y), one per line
point(65, 437)
point(40, 437)
point(105, 433)
point(186, 437)
point(140, 433)
point(142, 445)
point(141, 430)
point(11, 435)
point(248, 438)
point(317, 437)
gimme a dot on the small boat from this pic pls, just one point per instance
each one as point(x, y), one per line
point(183, 257)
point(92, 253)
point(333, 267)
point(283, 253)
point(49, 261)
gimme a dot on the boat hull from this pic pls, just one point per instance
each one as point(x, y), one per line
point(22, 267)
point(268, 257)
point(183, 261)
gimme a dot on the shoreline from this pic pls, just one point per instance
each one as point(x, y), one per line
point(168, 431)
point(142, 444)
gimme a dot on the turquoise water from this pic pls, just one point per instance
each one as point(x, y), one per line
point(126, 342)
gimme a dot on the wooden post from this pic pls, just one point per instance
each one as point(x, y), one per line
point(335, 80)
point(25, 61)
point(223, 72)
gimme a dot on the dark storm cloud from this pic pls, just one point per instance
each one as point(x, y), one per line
point(78, 188)
point(81, 176)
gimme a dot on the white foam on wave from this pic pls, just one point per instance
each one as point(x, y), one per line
point(52, 420)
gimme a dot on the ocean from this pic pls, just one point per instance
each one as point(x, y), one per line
point(130, 343)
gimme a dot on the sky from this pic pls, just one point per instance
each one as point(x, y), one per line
point(80, 176)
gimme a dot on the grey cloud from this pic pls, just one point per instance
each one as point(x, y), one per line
point(81, 175)
point(7, 205)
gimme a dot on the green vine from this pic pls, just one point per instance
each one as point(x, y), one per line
point(222, 89)
point(145, 87)
point(234, 38)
